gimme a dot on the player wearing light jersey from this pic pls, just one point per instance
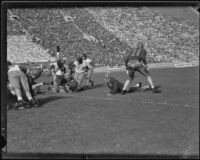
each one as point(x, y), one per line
point(80, 69)
point(89, 69)
point(56, 68)
point(17, 78)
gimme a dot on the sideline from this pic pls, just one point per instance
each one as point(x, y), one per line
point(153, 65)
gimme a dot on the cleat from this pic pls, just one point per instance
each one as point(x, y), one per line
point(32, 104)
point(156, 89)
point(19, 105)
point(79, 89)
point(123, 92)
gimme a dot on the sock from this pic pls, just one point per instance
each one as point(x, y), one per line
point(19, 98)
point(30, 98)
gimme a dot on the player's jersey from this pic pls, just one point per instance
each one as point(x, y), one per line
point(54, 67)
point(114, 85)
point(142, 55)
point(132, 62)
point(13, 68)
point(80, 68)
point(89, 63)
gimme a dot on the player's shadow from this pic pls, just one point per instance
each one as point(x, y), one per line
point(45, 100)
point(95, 86)
point(138, 89)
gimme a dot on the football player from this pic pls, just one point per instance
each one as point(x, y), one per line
point(137, 62)
point(17, 78)
point(90, 69)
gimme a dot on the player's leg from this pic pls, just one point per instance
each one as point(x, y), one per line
point(76, 75)
point(67, 88)
point(145, 72)
point(11, 89)
point(88, 78)
point(128, 81)
point(55, 84)
point(81, 78)
point(25, 85)
point(15, 82)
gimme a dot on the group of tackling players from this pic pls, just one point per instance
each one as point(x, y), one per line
point(21, 84)
point(70, 76)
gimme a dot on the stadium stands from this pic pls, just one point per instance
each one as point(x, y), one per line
point(167, 39)
point(107, 33)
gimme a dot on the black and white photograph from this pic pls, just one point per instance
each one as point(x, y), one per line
point(101, 80)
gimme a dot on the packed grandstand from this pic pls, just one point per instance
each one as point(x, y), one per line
point(108, 34)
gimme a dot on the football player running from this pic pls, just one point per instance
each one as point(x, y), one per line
point(80, 70)
point(89, 70)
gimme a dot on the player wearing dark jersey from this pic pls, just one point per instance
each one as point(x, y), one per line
point(137, 62)
point(116, 86)
point(113, 84)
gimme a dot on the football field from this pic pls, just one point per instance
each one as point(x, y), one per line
point(134, 123)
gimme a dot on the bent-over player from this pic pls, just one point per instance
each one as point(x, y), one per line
point(137, 62)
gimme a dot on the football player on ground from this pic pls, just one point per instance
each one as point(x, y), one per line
point(116, 86)
point(32, 76)
point(113, 84)
point(137, 62)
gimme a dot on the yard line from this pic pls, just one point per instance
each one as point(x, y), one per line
point(123, 100)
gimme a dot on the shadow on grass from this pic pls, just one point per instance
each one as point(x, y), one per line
point(45, 100)
point(95, 86)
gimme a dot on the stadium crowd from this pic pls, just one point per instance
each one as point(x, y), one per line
point(114, 30)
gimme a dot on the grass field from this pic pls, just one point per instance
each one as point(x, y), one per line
point(136, 123)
